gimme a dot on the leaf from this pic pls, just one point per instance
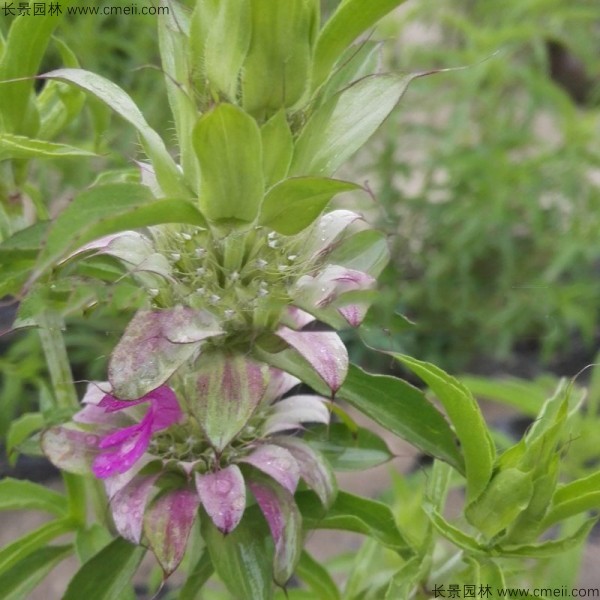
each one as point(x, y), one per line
point(573, 498)
point(549, 548)
point(348, 450)
point(351, 18)
point(365, 251)
point(25, 243)
point(107, 573)
point(357, 514)
point(21, 147)
point(90, 541)
point(506, 496)
point(243, 557)
point(167, 173)
point(463, 411)
point(292, 205)
point(338, 128)
point(23, 52)
point(20, 580)
point(228, 146)
point(16, 494)
point(317, 577)
point(278, 148)
point(453, 534)
point(109, 209)
point(404, 410)
point(16, 551)
point(20, 430)
point(192, 588)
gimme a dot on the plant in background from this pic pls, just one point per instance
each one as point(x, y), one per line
point(240, 277)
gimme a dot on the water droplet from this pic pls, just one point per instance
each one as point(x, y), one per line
point(175, 255)
point(283, 463)
point(186, 236)
point(239, 503)
point(223, 486)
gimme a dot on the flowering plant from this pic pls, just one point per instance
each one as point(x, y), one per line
point(241, 274)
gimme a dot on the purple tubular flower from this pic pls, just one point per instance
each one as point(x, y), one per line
point(121, 449)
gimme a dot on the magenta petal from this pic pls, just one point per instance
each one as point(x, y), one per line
point(127, 507)
point(277, 463)
point(165, 408)
point(128, 449)
point(285, 524)
point(323, 350)
point(167, 525)
point(223, 495)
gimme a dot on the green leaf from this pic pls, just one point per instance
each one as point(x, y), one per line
point(25, 47)
point(107, 573)
point(351, 18)
point(25, 243)
point(20, 580)
point(357, 514)
point(338, 128)
point(365, 251)
point(318, 578)
point(228, 145)
point(17, 494)
point(243, 557)
point(292, 205)
point(404, 410)
point(348, 450)
point(464, 413)
point(90, 541)
point(109, 209)
point(451, 533)
point(573, 498)
point(167, 173)
point(20, 430)
point(278, 148)
point(192, 589)
point(550, 548)
point(16, 551)
point(506, 496)
point(21, 147)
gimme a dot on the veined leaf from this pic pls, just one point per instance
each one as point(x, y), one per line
point(338, 128)
point(292, 205)
point(463, 411)
point(107, 573)
point(351, 18)
point(403, 410)
point(109, 209)
point(229, 149)
point(18, 146)
point(167, 173)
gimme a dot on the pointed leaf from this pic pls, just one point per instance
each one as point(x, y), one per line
point(336, 130)
point(229, 149)
point(167, 525)
point(317, 577)
point(464, 413)
point(351, 18)
point(107, 573)
point(292, 205)
point(403, 410)
point(278, 147)
point(453, 534)
point(573, 498)
point(228, 389)
point(25, 495)
point(21, 147)
point(285, 524)
point(167, 173)
point(223, 495)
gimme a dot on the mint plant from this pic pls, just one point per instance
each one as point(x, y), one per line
point(199, 446)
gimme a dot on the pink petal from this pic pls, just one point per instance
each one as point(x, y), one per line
point(154, 345)
point(167, 525)
point(229, 389)
point(118, 481)
point(285, 524)
point(223, 495)
point(279, 384)
point(327, 230)
point(296, 318)
point(129, 246)
point(127, 507)
point(277, 463)
point(314, 468)
point(292, 412)
point(71, 450)
point(323, 350)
